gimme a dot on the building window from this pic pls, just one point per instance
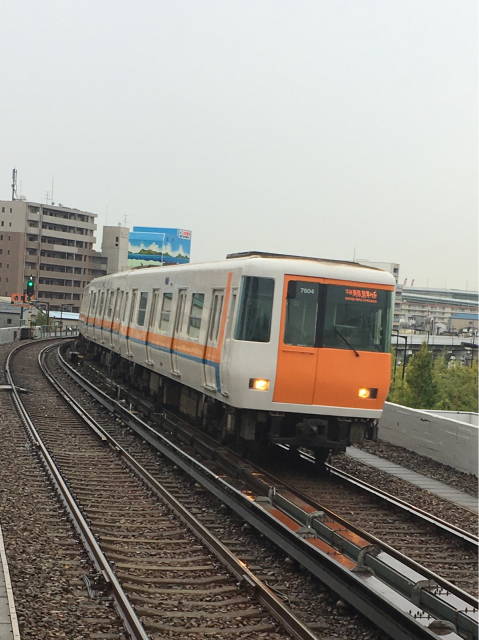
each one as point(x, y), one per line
point(9, 224)
point(9, 321)
point(8, 252)
point(3, 209)
point(3, 224)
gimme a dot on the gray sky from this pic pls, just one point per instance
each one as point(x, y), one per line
point(317, 127)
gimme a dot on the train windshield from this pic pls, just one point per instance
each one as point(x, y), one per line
point(337, 316)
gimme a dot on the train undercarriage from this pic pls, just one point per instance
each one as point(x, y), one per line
point(247, 431)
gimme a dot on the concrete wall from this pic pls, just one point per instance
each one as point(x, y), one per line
point(462, 416)
point(9, 335)
point(446, 440)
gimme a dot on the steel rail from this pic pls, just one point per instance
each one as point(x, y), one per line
point(233, 564)
point(447, 527)
point(130, 620)
point(399, 607)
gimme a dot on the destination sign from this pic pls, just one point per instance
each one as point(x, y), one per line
point(361, 295)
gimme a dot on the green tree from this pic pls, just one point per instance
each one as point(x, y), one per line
point(41, 319)
point(456, 385)
point(421, 385)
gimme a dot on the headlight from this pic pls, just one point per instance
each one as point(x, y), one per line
point(366, 393)
point(259, 384)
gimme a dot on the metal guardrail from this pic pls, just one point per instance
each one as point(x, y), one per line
point(123, 605)
point(400, 600)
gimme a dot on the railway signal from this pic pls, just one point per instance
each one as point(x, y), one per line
point(30, 288)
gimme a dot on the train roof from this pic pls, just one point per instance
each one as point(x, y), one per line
point(267, 265)
point(286, 256)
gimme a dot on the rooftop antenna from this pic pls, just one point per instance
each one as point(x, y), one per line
point(14, 185)
point(47, 197)
point(125, 219)
point(53, 182)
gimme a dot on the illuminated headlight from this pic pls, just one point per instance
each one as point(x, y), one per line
point(366, 393)
point(259, 384)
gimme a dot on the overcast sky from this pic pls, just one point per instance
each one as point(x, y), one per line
point(328, 128)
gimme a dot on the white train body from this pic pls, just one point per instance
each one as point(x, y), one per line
point(263, 336)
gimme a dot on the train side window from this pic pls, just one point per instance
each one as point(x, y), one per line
point(115, 306)
point(100, 306)
point(123, 315)
point(194, 321)
point(231, 315)
point(110, 304)
point(131, 314)
point(255, 309)
point(165, 311)
point(92, 304)
point(119, 305)
point(140, 320)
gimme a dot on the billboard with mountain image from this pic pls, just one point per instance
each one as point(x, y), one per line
point(158, 246)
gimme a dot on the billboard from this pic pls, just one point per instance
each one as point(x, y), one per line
point(158, 246)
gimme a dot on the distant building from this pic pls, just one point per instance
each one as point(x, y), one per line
point(392, 268)
point(463, 321)
point(54, 244)
point(440, 304)
point(9, 313)
point(157, 246)
point(114, 247)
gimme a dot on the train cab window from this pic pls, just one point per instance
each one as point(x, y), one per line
point(165, 311)
point(140, 320)
point(301, 316)
point(255, 309)
point(357, 317)
point(194, 321)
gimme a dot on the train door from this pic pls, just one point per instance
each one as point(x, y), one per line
point(297, 353)
point(130, 316)
point(226, 355)
point(89, 320)
point(211, 363)
point(99, 316)
point(106, 338)
point(113, 326)
point(151, 326)
point(180, 309)
point(115, 336)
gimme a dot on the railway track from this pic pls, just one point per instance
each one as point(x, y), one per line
point(167, 573)
point(368, 562)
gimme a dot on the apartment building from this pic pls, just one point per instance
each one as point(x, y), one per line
point(54, 244)
point(440, 304)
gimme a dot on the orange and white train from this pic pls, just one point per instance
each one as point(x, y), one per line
point(259, 348)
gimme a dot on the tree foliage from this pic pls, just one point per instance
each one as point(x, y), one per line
point(440, 384)
point(41, 319)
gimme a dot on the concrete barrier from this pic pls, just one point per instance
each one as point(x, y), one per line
point(9, 334)
point(444, 439)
